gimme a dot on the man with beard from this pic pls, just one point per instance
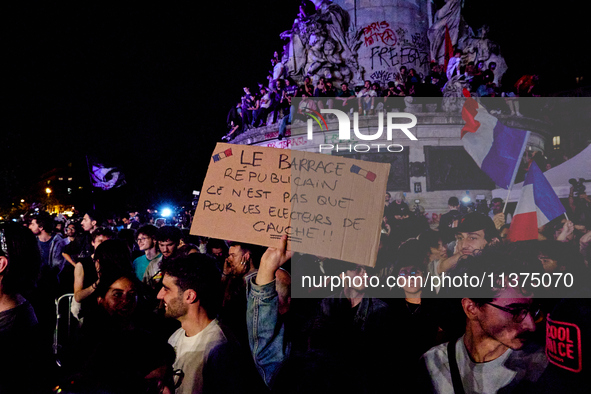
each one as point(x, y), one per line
point(169, 240)
point(495, 352)
point(206, 358)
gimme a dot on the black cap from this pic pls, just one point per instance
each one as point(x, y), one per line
point(475, 221)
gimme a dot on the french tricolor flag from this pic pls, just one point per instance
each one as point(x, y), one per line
point(537, 205)
point(496, 148)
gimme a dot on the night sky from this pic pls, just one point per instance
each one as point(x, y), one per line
point(147, 86)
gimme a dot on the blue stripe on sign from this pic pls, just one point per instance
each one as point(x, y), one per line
point(504, 154)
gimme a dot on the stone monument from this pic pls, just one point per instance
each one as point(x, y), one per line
point(355, 40)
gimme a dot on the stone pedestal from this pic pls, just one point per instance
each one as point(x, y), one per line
point(431, 169)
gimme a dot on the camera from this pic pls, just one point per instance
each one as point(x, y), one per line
point(417, 210)
point(578, 187)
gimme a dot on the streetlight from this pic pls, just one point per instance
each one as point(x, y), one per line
point(48, 191)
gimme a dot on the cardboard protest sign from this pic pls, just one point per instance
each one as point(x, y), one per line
point(327, 205)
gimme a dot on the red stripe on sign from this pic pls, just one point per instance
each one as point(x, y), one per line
point(524, 227)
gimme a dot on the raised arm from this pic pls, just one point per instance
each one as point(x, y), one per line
point(266, 328)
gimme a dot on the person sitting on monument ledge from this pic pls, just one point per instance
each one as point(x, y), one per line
point(234, 121)
point(364, 97)
point(377, 88)
point(306, 87)
point(246, 113)
point(320, 94)
point(330, 93)
point(291, 87)
point(254, 108)
point(413, 77)
point(278, 100)
point(401, 77)
point(344, 98)
point(453, 66)
point(306, 104)
point(391, 97)
point(264, 106)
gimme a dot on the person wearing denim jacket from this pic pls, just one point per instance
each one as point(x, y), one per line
point(266, 329)
point(272, 350)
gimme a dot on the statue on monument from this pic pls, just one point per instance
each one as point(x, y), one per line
point(449, 15)
point(321, 44)
point(479, 48)
point(476, 47)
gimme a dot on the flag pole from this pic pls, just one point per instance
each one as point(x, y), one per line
point(566, 217)
point(507, 199)
point(516, 169)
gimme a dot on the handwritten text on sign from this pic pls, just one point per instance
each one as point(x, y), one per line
point(326, 205)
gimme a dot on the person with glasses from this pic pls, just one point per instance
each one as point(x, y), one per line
point(496, 351)
point(146, 240)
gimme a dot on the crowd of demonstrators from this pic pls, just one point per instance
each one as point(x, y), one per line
point(192, 314)
point(495, 336)
point(477, 77)
point(127, 334)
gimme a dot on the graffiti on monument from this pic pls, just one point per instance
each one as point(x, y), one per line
point(275, 134)
point(379, 32)
point(333, 138)
point(287, 143)
point(386, 57)
point(382, 77)
point(410, 52)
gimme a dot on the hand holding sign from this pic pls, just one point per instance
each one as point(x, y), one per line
point(272, 260)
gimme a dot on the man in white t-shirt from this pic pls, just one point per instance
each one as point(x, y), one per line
point(206, 359)
point(495, 352)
